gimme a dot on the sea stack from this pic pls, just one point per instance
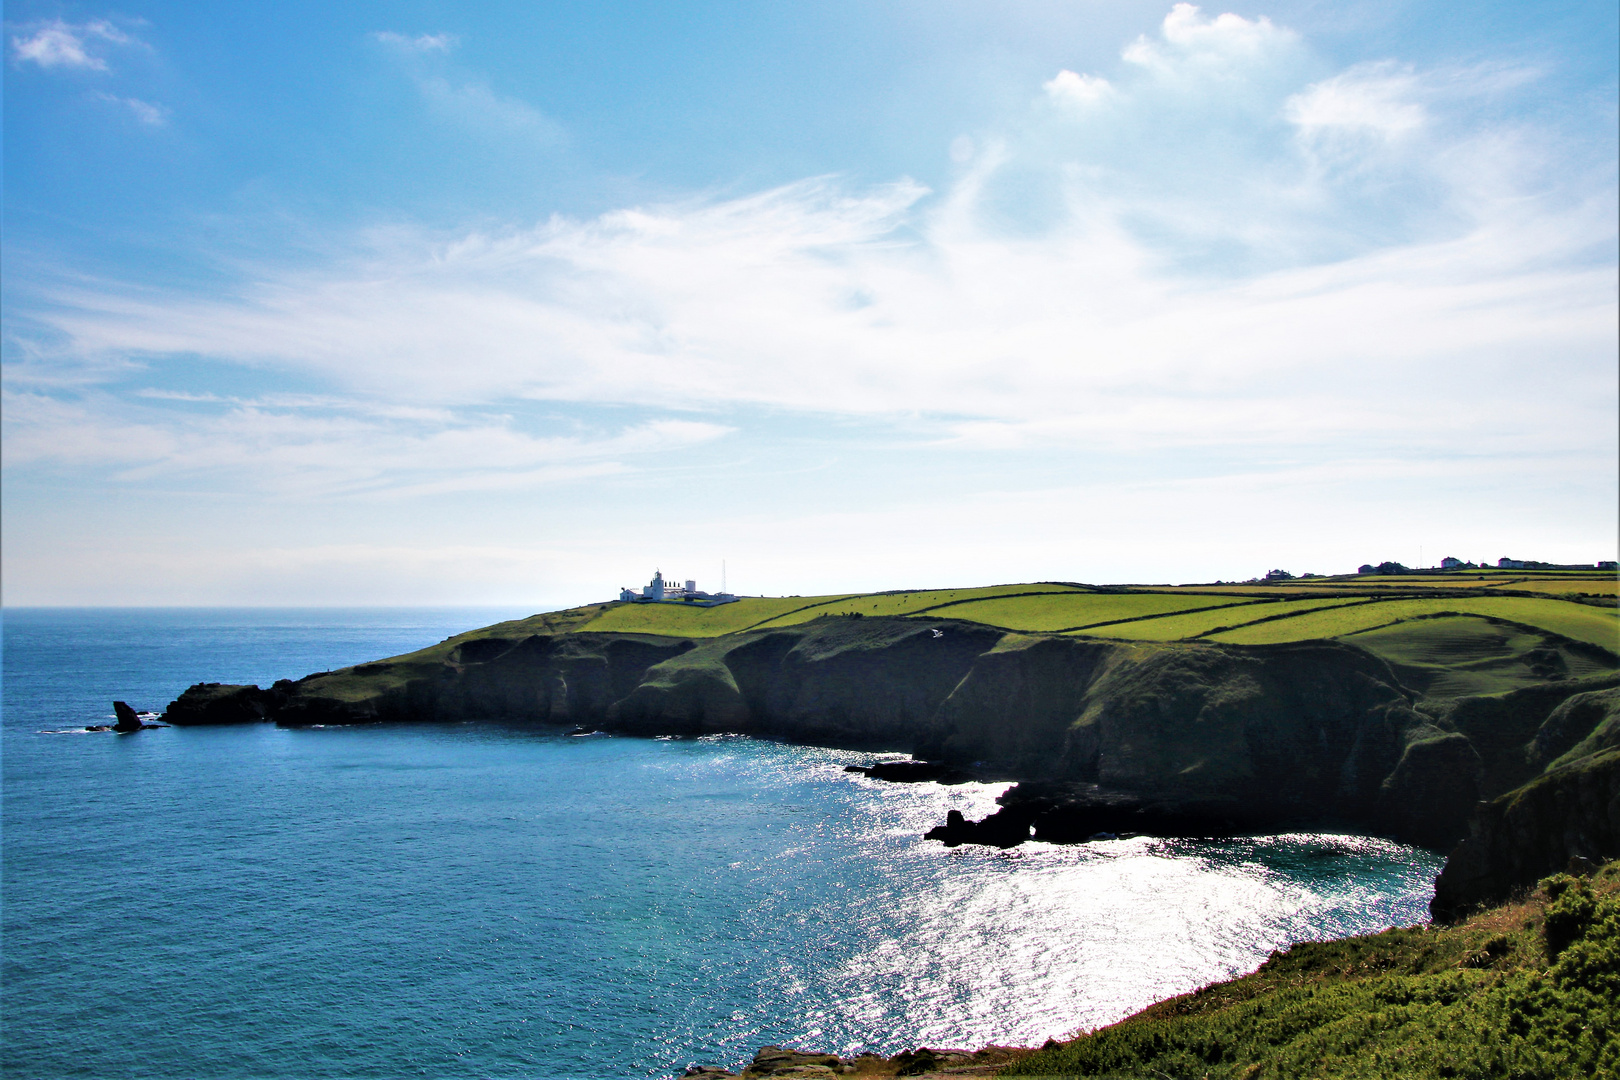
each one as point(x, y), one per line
point(127, 720)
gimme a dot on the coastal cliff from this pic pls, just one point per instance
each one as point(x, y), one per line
point(1105, 736)
point(1569, 814)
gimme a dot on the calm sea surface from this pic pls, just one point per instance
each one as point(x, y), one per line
point(481, 901)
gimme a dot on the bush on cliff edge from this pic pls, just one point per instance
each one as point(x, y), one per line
point(1520, 991)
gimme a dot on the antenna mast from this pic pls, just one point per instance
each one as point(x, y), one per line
point(722, 575)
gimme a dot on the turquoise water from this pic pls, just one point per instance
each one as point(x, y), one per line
point(481, 901)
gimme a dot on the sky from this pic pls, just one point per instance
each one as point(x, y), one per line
point(512, 303)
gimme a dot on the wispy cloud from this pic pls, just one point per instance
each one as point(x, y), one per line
point(466, 101)
point(60, 44)
point(145, 112)
point(419, 43)
point(317, 447)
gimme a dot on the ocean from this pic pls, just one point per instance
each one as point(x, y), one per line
point(479, 900)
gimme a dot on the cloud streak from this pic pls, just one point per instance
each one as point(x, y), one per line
point(70, 46)
point(320, 447)
point(144, 112)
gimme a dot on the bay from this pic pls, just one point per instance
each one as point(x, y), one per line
point(476, 900)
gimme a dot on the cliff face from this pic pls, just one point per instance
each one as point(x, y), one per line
point(1313, 729)
point(1179, 737)
point(843, 682)
point(1572, 811)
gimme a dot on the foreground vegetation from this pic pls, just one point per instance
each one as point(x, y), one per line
point(1530, 989)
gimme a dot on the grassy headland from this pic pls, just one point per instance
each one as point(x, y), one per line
point(1579, 606)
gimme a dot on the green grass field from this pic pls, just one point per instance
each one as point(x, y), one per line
point(1592, 584)
point(1193, 624)
point(1455, 656)
point(1583, 622)
point(680, 620)
point(1065, 611)
point(941, 602)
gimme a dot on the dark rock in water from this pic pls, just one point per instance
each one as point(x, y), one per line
point(1002, 829)
point(221, 703)
point(99, 727)
point(707, 1070)
point(127, 719)
point(1062, 812)
point(913, 772)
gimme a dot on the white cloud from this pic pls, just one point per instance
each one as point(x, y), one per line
point(1188, 36)
point(421, 43)
point(1374, 97)
point(1077, 91)
point(59, 44)
point(749, 302)
point(144, 112)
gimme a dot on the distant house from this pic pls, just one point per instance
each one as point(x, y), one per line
point(1607, 564)
point(1509, 564)
point(1279, 575)
point(1448, 563)
point(1366, 568)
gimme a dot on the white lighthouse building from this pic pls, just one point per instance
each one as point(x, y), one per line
point(659, 590)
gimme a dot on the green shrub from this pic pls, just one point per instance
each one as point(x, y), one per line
point(1471, 1002)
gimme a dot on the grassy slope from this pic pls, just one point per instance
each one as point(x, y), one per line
point(1198, 623)
point(1525, 990)
point(682, 621)
point(1582, 622)
point(1070, 611)
point(1466, 655)
point(1593, 584)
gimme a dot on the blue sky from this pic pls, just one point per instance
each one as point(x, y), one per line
point(510, 303)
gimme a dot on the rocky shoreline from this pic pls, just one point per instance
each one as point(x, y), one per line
point(922, 1062)
point(1102, 738)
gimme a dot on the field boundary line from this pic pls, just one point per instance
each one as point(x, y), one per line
point(1166, 615)
point(1296, 614)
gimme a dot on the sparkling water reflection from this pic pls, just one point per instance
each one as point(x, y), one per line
point(477, 901)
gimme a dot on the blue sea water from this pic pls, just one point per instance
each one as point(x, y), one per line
point(476, 900)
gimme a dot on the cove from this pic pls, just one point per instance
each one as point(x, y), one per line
point(477, 900)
